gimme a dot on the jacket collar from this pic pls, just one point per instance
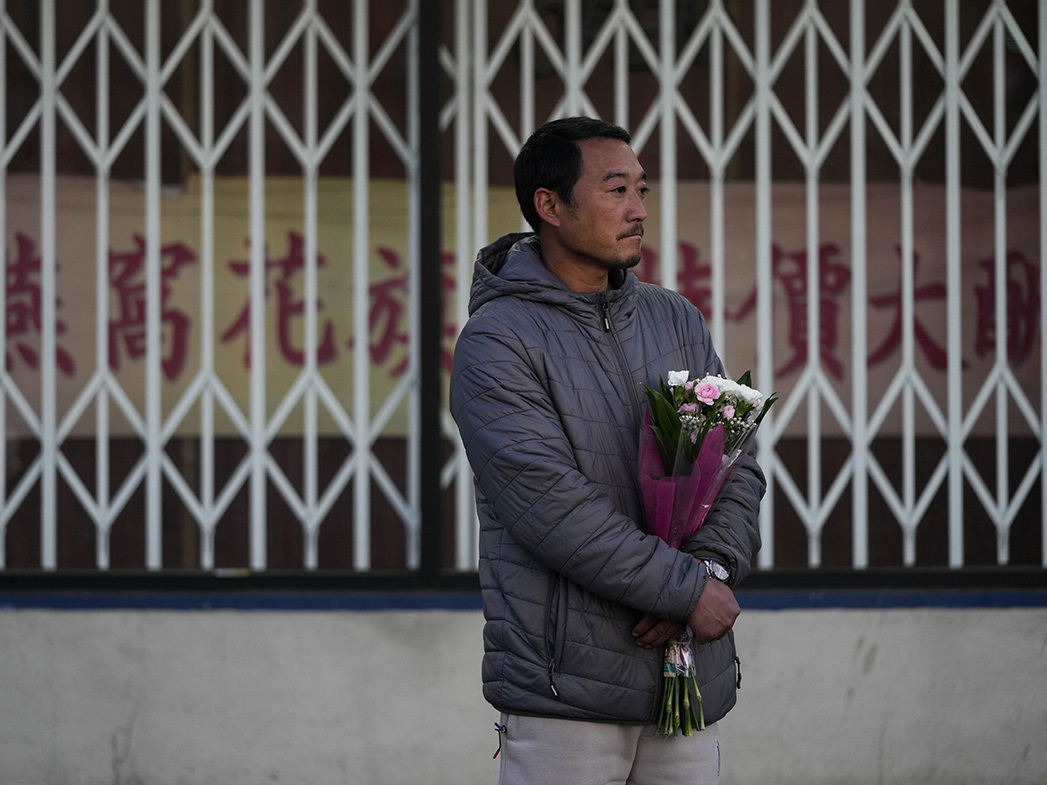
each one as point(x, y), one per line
point(512, 266)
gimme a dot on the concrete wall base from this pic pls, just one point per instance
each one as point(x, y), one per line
point(162, 697)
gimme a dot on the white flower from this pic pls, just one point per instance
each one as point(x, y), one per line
point(737, 390)
point(677, 378)
point(690, 424)
point(749, 395)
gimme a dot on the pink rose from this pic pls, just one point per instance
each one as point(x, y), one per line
point(706, 392)
point(727, 411)
point(688, 408)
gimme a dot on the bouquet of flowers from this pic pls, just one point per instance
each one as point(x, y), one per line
point(693, 433)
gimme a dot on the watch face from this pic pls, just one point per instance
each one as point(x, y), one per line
point(718, 571)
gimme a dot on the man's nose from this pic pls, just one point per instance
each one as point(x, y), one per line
point(639, 209)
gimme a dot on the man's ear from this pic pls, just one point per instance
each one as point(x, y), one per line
point(548, 205)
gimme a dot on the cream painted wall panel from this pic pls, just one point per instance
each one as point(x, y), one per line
point(376, 698)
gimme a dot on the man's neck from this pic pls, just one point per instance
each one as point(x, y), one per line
point(580, 280)
point(576, 275)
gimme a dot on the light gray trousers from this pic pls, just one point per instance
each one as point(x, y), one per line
point(550, 751)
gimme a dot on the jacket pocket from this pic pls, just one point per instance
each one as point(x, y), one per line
point(555, 628)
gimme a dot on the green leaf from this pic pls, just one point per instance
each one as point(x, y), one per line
point(665, 424)
point(766, 407)
point(747, 379)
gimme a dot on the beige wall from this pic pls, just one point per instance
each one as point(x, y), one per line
point(250, 697)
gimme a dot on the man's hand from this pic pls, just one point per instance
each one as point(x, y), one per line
point(651, 631)
point(717, 609)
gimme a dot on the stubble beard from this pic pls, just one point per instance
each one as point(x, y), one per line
point(617, 261)
point(630, 261)
point(627, 263)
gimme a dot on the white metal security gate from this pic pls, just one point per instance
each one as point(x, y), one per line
point(577, 40)
point(353, 412)
point(630, 61)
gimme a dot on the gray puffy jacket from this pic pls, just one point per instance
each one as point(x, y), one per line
point(547, 392)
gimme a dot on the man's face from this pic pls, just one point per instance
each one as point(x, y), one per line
point(603, 226)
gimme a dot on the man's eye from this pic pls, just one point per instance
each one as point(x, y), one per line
point(644, 191)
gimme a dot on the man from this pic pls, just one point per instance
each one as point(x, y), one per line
point(547, 391)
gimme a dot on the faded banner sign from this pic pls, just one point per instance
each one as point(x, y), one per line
point(206, 276)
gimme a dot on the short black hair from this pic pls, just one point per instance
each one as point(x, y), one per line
point(551, 159)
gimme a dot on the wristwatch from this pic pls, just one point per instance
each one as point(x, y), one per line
point(717, 570)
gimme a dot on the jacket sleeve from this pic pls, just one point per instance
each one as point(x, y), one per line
point(731, 532)
point(525, 470)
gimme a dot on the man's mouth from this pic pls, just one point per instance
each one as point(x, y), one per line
point(638, 232)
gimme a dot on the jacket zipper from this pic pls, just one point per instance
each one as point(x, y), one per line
point(555, 633)
point(608, 327)
point(605, 315)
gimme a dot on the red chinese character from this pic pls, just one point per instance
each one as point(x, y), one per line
point(24, 302)
point(386, 324)
point(385, 317)
point(833, 279)
point(935, 354)
point(692, 277)
point(289, 305)
point(1023, 307)
point(128, 330)
point(647, 269)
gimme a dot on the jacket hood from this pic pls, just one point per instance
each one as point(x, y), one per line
point(512, 266)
